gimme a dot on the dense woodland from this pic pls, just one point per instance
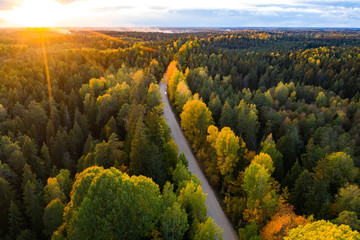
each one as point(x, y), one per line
point(272, 116)
point(96, 160)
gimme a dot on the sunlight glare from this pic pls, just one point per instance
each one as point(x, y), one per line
point(36, 13)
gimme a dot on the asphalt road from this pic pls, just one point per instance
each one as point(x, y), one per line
point(214, 209)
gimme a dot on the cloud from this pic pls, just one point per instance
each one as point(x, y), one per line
point(66, 1)
point(204, 13)
point(7, 4)
point(265, 16)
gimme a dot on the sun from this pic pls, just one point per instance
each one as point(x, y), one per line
point(36, 13)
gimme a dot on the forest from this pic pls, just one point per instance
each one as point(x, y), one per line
point(273, 118)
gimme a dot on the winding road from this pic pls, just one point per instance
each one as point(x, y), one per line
point(214, 209)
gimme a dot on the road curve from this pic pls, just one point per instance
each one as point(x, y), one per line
point(214, 209)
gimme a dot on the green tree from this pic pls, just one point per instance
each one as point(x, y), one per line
point(228, 118)
point(250, 232)
point(29, 150)
point(348, 218)
point(208, 230)
point(180, 175)
point(268, 146)
point(321, 99)
point(215, 106)
point(16, 220)
point(168, 195)
point(53, 216)
point(348, 199)
point(108, 204)
point(174, 223)
point(65, 181)
point(153, 97)
point(248, 124)
point(52, 191)
point(33, 206)
point(192, 199)
point(45, 156)
point(138, 153)
point(340, 168)
point(109, 154)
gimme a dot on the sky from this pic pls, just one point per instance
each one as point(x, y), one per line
point(180, 13)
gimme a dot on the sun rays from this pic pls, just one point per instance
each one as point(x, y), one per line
point(35, 13)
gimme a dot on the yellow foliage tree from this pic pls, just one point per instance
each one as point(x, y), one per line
point(265, 160)
point(226, 145)
point(182, 95)
point(322, 229)
point(195, 120)
point(171, 69)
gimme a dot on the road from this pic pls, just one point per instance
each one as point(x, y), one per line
point(214, 209)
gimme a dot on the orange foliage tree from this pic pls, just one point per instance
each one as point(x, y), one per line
point(280, 224)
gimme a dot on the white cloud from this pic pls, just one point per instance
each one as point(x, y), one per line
point(162, 12)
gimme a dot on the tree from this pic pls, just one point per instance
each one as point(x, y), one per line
point(284, 220)
point(264, 160)
point(53, 216)
point(108, 204)
point(29, 150)
point(172, 83)
point(65, 181)
point(153, 97)
point(348, 218)
point(195, 120)
point(228, 118)
point(340, 167)
point(286, 146)
point(52, 191)
point(58, 149)
point(321, 99)
point(33, 205)
point(250, 232)
point(180, 175)
point(262, 200)
point(17, 161)
point(269, 147)
point(16, 220)
point(348, 199)
point(192, 199)
point(208, 230)
point(109, 154)
point(138, 153)
point(282, 92)
point(215, 106)
point(226, 145)
point(322, 230)
point(172, 68)
point(174, 222)
point(182, 95)
point(110, 128)
point(45, 156)
point(247, 125)
point(168, 195)
point(313, 154)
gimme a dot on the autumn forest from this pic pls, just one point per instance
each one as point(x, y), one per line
point(272, 118)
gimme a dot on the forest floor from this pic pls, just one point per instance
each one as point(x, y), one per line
point(214, 209)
